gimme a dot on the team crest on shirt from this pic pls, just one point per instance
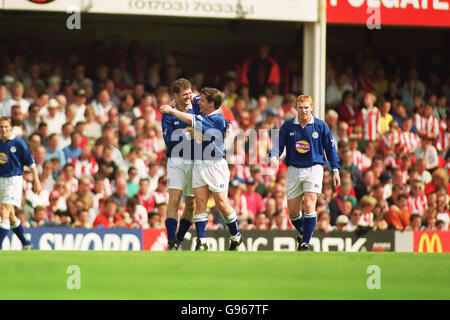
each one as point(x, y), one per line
point(3, 158)
point(13, 149)
point(302, 146)
point(315, 134)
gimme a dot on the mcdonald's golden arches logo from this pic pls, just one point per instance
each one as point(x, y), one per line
point(425, 243)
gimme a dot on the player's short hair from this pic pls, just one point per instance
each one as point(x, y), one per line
point(179, 85)
point(6, 119)
point(304, 98)
point(213, 95)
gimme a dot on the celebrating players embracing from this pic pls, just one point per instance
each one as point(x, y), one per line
point(210, 172)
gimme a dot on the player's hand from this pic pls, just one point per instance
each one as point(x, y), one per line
point(37, 186)
point(165, 109)
point(336, 180)
point(274, 163)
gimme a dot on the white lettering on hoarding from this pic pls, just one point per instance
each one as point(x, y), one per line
point(332, 242)
point(83, 242)
point(283, 244)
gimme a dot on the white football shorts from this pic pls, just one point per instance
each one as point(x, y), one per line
point(213, 173)
point(300, 180)
point(179, 175)
point(11, 189)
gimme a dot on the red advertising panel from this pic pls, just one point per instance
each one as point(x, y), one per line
point(434, 13)
point(431, 241)
point(154, 239)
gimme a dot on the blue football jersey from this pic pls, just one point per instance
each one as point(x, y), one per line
point(177, 137)
point(14, 155)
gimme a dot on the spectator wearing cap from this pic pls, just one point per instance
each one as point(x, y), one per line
point(272, 119)
point(55, 118)
point(8, 80)
point(255, 202)
point(109, 217)
point(341, 223)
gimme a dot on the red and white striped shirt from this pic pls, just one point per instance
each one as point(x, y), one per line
point(431, 125)
point(417, 205)
point(443, 139)
point(72, 185)
point(85, 167)
point(409, 141)
point(369, 120)
point(388, 141)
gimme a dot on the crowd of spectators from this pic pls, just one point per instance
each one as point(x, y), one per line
point(94, 129)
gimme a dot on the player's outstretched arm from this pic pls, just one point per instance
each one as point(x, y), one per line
point(183, 116)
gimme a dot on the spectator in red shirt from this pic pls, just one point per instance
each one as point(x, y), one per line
point(348, 111)
point(145, 195)
point(255, 203)
point(109, 217)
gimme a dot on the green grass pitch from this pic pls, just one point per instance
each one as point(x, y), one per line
point(222, 275)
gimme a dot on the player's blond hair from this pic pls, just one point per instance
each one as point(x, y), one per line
point(304, 98)
point(6, 119)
